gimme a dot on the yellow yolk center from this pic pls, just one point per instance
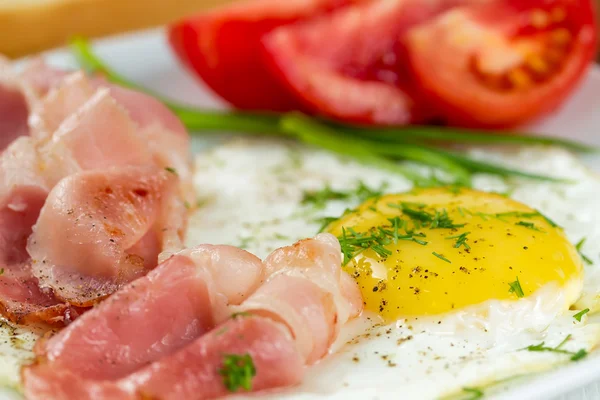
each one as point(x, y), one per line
point(431, 251)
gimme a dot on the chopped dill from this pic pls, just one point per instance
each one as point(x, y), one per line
point(575, 356)
point(416, 212)
point(353, 243)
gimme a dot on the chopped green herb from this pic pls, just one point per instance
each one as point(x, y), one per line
point(516, 214)
point(319, 198)
point(473, 392)
point(441, 257)
point(240, 314)
point(201, 202)
point(1, 271)
point(515, 287)
point(237, 372)
point(529, 225)
point(461, 240)
point(581, 353)
point(171, 170)
point(353, 243)
point(575, 356)
point(363, 192)
point(455, 189)
point(279, 236)
point(325, 222)
point(548, 220)
point(578, 246)
point(187, 204)
point(221, 331)
point(245, 242)
point(581, 314)
point(437, 219)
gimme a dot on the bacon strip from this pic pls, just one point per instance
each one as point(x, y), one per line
point(275, 342)
point(192, 373)
point(111, 223)
point(322, 298)
point(22, 195)
point(155, 315)
point(81, 124)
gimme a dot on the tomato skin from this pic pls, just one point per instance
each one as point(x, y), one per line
point(441, 66)
point(223, 47)
point(350, 65)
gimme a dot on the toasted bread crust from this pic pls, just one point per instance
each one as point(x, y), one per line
point(29, 27)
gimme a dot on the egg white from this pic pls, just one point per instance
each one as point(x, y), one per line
point(250, 195)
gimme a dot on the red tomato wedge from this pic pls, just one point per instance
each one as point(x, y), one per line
point(330, 63)
point(349, 65)
point(223, 47)
point(478, 63)
point(503, 63)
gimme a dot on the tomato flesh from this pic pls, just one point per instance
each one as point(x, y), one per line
point(350, 65)
point(223, 47)
point(503, 63)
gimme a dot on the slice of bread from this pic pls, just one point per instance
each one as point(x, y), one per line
point(29, 26)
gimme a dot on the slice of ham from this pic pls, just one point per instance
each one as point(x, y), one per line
point(324, 297)
point(137, 129)
point(14, 105)
point(20, 92)
point(155, 315)
point(192, 373)
point(113, 224)
point(41, 77)
point(275, 343)
point(79, 124)
point(80, 142)
point(22, 195)
point(61, 102)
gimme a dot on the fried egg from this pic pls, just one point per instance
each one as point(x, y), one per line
point(464, 288)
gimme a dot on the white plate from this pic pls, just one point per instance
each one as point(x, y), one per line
point(147, 59)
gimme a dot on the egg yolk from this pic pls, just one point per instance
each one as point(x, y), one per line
point(431, 251)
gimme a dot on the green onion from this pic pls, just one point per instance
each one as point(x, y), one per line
point(580, 314)
point(312, 132)
point(515, 287)
point(463, 136)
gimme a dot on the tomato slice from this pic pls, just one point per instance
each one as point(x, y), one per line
point(223, 47)
point(502, 63)
point(349, 65)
